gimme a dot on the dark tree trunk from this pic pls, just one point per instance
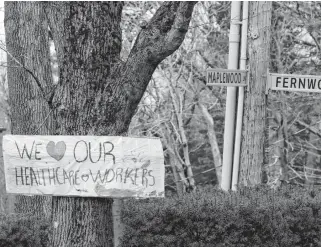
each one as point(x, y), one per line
point(97, 94)
point(28, 68)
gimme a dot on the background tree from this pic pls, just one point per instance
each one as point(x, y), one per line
point(294, 117)
point(201, 107)
point(97, 92)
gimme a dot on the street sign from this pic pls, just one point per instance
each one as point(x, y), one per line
point(87, 166)
point(291, 82)
point(226, 77)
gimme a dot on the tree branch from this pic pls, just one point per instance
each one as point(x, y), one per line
point(313, 130)
point(48, 96)
point(165, 31)
point(157, 40)
point(315, 41)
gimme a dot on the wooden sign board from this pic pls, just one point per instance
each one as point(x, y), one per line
point(226, 77)
point(291, 82)
point(87, 166)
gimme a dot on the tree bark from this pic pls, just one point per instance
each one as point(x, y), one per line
point(253, 135)
point(97, 93)
point(30, 83)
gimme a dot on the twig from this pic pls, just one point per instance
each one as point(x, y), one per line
point(33, 76)
point(295, 171)
point(313, 130)
point(43, 121)
point(307, 168)
point(315, 41)
point(182, 180)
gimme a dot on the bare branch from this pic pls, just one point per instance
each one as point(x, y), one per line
point(315, 41)
point(310, 128)
point(47, 97)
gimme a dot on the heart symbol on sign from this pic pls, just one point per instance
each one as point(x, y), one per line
point(56, 151)
point(85, 177)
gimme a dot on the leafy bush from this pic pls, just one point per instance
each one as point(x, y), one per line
point(18, 230)
point(257, 216)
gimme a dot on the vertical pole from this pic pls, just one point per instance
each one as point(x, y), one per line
point(252, 154)
point(234, 38)
point(239, 121)
point(117, 223)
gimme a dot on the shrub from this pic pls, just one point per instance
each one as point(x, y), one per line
point(256, 216)
point(19, 230)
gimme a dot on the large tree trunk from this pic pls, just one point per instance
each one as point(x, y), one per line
point(28, 70)
point(253, 141)
point(97, 94)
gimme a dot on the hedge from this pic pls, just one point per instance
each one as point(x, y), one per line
point(20, 230)
point(290, 216)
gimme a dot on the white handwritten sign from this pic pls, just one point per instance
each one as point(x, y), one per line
point(226, 77)
point(291, 82)
point(89, 166)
